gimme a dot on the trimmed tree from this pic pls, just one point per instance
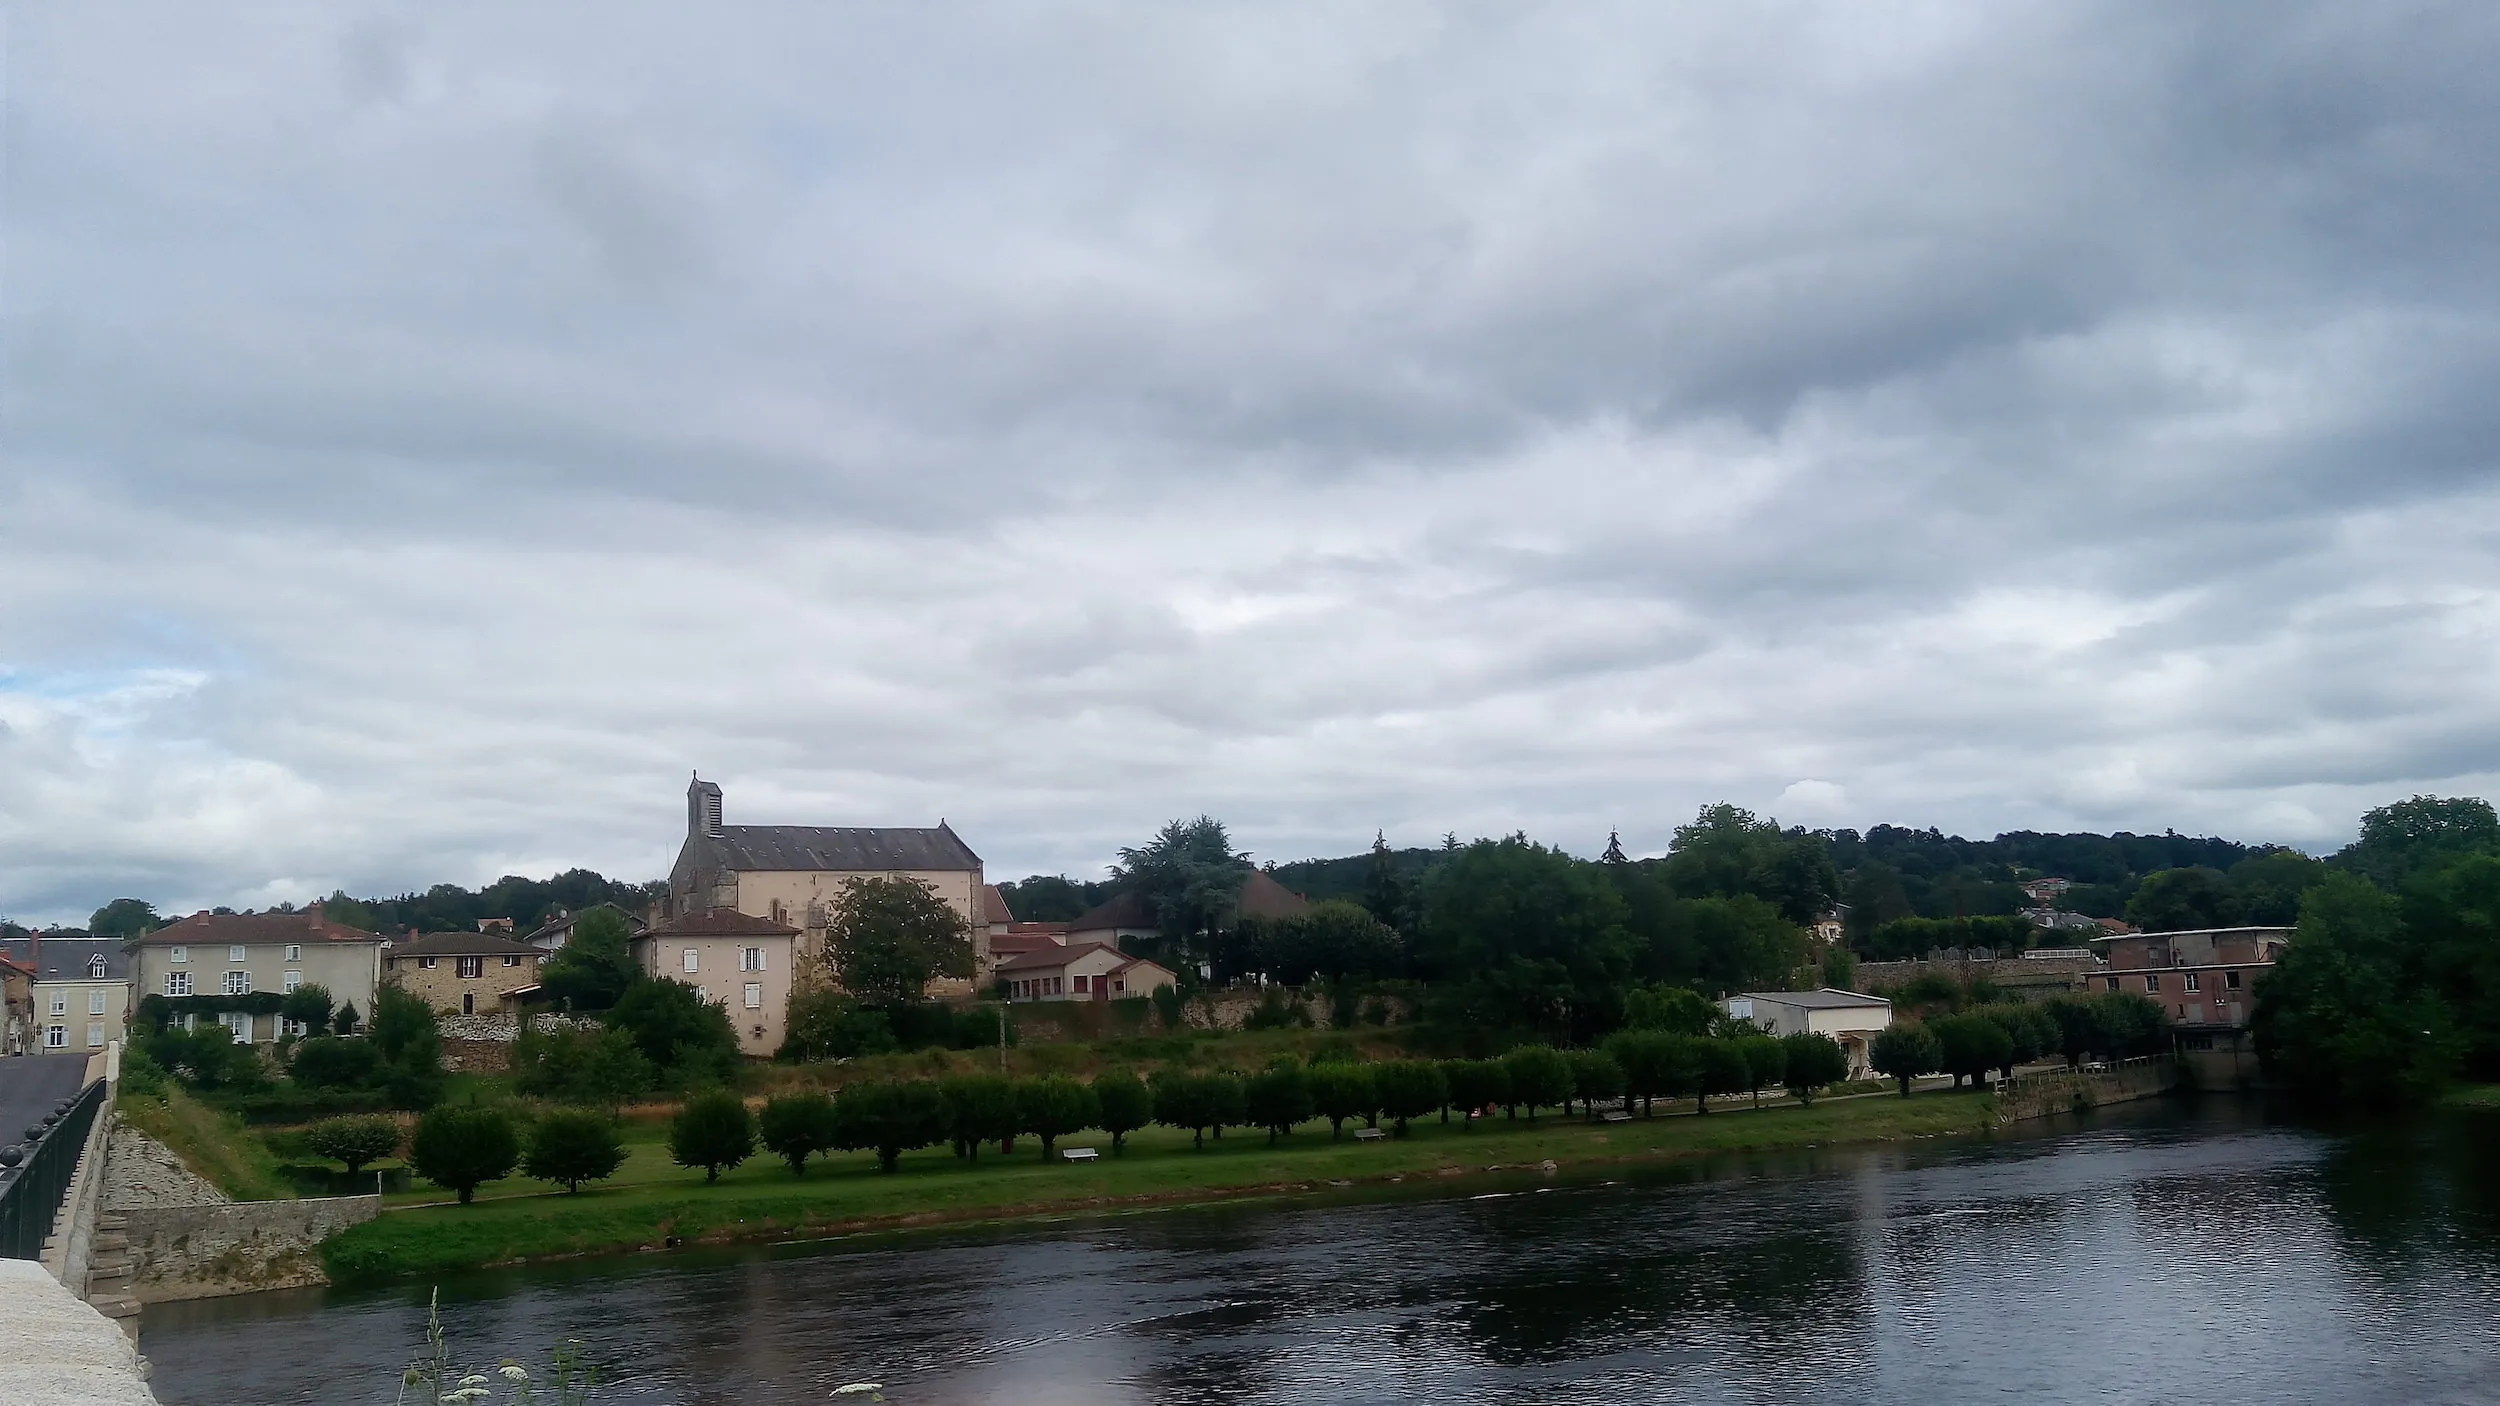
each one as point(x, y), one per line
point(980, 1107)
point(460, 1148)
point(1409, 1088)
point(1718, 1068)
point(572, 1146)
point(1903, 1052)
point(1968, 1046)
point(1342, 1091)
point(795, 1127)
point(354, 1141)
point(1595, 1077)
point(1475, 1085)
point(1766, 1063)
point(1054, 1106)
point(1280, 1097)
point(712, 1131)
point(1185, 1101)
point(1539, 1077)
point(1124, 1104)
point(1811, 1062)
point(890, 1119)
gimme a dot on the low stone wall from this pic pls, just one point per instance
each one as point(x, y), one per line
point(2041, 1095)
point(2042, 976)
point(242, 1247)
point(1231, 1009)
point(482, 1044)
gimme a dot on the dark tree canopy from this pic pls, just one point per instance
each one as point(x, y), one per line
point(595, 967)
point(888, 938)
point(125, 917)
point(1190, 876)
point(2179, 900)
point(1538, 933)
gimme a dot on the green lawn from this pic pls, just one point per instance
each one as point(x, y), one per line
point(2473, 1096)
point(653, 1201)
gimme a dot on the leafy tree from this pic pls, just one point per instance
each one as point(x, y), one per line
point(2409, 837)
point(981, 1108)
point(677, 1029)
point(2451, 920)
point(346, 1021)
point(1279, 1097)
point(1721, 1069)
point(2077, 1022)
point(308, 1006)
point(712, 1131)
point(411, 1045)
point(1903, 1051)
point(1125, 1104)
point(125, 917)
point(2179, 900)
point(1340, 1091)
point(1407, 1089)
point(1190, 877)
point(1335, 941)
point(889, 937)
point(1840, 969)
point(1674, 1009)
point(1475, 1085)
point(2268, 886)
point(2029, 1032)
point(1727, 852)
point(1595, 1077)
point(572, 1146)
point(1540, 936)
point(461, 1147)
point(826, 1023)
point(599, 1067)
point(1187, 1101)
point(1744, 943)
point(795, 1127)
point(1814, 1062)
point(1539, 1077)
point(595, 967)
point(1050, 898)
point(1968, 1046)
point(1766, 1063)
point(2337, 1017)
point(328, 1062)
point(1054, 1106)
point(1904, 939)
point(347, 912)
point(1388, 894)
point(2129, 1024)
point(890, 1118)
point(354, 1141)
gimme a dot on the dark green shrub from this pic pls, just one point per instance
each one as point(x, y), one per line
point(1341, 1091)
point(1125, 1105)
point(890, 1119)
point(794, 1127)
point(1408, 1088)
point(354, 1141)
point(1054, 1106)
point(1539, 1077)
point(981, 1108)
point(1279, 1097)
point(711, 1131)
point(458, 1148)
point(574, 1145)
point(334, 1062)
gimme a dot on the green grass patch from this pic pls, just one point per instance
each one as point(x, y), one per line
point(213, 1144)
point(652, 1202)
point(2473, 1096)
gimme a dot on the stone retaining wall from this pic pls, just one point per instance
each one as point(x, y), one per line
point(2042, 1095)
point(2022, 976)
point(242, 1247)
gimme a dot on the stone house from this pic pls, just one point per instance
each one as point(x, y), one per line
point(1080, 971)
point(791, 875)
point(735, 959)
point(17, 1007)
point(1849, 1018)
point(210, 954)
point(464, 973)
point(79, 992)
point(2205, 979)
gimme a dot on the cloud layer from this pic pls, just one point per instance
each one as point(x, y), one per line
point(430, 431)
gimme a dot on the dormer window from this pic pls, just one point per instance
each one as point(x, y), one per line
point(95, 966)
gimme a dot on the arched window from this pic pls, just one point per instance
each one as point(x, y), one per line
point(95, 965)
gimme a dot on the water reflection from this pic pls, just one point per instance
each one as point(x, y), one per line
point(2207, 1253)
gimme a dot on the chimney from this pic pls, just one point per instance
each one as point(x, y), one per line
point(702, 808)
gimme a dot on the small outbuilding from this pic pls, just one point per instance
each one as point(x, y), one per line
point(1846, 1016)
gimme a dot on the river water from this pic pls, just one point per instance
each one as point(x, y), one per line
point(2157, 1253)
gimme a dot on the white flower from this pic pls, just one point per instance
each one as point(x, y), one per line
point(515, 1372)
point(856, 1388)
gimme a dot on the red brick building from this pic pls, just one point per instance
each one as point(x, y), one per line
point(2206, 979)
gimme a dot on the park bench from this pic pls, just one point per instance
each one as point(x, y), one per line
point(1079, 1154)
point(1368, 1135)
point(1614, 1115)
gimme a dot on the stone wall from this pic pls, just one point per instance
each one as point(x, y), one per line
point(482, 1044)
point(2042, 1095)
point(2023, 976)
point(242, 1247)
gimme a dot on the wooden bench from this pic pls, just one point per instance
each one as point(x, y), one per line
point(1614, 1115)
point(1368, 1135)
point(1079, 1154)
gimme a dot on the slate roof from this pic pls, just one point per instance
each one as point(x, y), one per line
point(461, 944)
point(1824, 1000)
point(721, 922)
point(844, 848)
point(209, 929)
point(64, 956)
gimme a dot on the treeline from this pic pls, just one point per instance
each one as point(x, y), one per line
point(527, 903)
point(2390, 987)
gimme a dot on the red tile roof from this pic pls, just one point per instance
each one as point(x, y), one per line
point(209, 929)
point(994, 909)
point(722, 922)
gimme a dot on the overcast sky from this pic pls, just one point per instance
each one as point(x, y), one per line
point(432, 431)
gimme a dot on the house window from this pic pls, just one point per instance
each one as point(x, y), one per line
point(95, 966)
point(2113, 983)
point(750, 959)
point(2152, 981)
point(690, 960)
point(180, 955)
point(468, 1003)
point(755, 995)
point(295, 952)
point(95, 1003)
point(235, 953)
point(2231, 980)
point(95, 1034)
point(60, 1003)
point(469, 966)
point(425, 964)
point(238, 982)
point(512, 961)
point(56, 1037)
point(780, 914)
point(1118, 985)
point(239, 1025)
point(2191, 981)
point(293, 980)
point(177, 983)
point(1080, 986)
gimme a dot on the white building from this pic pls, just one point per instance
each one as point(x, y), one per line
point(1846, 1016)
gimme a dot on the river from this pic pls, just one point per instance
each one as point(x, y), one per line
point(2206, 1252)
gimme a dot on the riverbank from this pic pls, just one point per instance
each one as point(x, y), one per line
point(657, 1206)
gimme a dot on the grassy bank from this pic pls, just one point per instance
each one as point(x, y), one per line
point(214, 1144)
point(653, 1203)
point(2473, 1096)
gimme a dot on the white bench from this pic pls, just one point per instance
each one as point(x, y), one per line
point(1079, 1154)
point(1368, 1135)
point(1614, 1115)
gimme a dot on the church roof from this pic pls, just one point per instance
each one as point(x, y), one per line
point(843, 848)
